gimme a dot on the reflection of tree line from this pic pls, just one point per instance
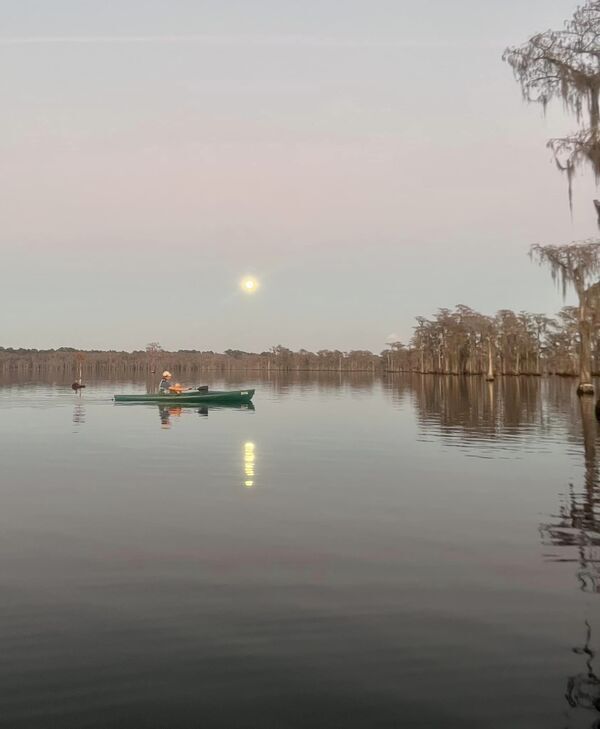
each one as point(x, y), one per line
point(474, 409)
point(575, 534)
point(234, 379)
point(460, 410)
point(577, 525)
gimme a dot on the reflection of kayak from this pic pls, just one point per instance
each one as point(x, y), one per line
point(191, 397)
point(167, 411)
point(202, 407)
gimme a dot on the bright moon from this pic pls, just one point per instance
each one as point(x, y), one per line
point(249, 285)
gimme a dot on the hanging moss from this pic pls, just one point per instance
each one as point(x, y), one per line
point(564, 65)
point(576, 264)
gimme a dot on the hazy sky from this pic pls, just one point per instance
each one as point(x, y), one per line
point(367, 160)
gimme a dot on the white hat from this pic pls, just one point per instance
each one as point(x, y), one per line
point(166, 373)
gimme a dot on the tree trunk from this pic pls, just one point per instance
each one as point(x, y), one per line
point(597, 206)
point(585, 350)
point(490, 372)
point(594, 108)
point(590, 435)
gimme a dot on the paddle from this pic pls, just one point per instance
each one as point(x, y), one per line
point(179, 390)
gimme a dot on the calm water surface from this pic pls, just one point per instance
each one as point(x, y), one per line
point(412, 552)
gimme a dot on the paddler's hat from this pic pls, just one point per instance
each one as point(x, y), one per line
point(166, 373)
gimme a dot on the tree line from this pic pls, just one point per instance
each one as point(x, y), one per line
point(460, 341)
point(67, 362)
point(464, 342)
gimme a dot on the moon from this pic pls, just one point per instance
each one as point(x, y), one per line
point(249, 285)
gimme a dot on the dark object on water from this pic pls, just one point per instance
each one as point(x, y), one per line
point(202, 388)
point(77, 386)
point(585, 388)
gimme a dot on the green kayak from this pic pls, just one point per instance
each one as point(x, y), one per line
point(191, 397)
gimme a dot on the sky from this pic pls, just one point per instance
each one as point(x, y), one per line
point(368, 161)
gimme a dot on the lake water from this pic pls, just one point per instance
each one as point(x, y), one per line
point(353, 552)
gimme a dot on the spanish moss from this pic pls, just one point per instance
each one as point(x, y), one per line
point(564, 65)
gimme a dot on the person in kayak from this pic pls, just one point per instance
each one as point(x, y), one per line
point(165, 383)
point(165, 386)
